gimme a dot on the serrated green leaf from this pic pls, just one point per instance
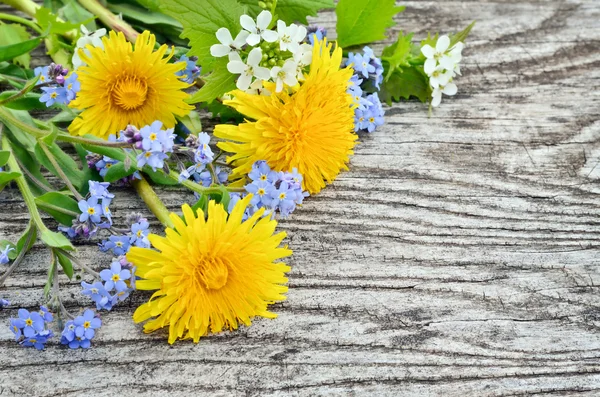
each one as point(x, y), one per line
point(65, 263)
point(291, 11)
point(50, 23)
point(216, 84)
point(4, 155)
point(13, 34)
point(56, 240)
point(397, 54)
point(462, 35)
point(364, 21)
point(12, 51)
point(64, 161)
point(61, 207)
point(405, 83)
point(201, 20)
point(430, 40)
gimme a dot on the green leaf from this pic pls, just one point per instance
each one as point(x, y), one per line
point(364, 21)
point(30, 101)
point(56, 240)
point(398, 53)
point(159, 177)
point(117, 171)
point(201, 20)
point(65, 263)
point(404, 83)
point(225, 113)
point(141, 15)
point(32, 166)
point(65, 116)
point(152, 5)
point(8, 52)
point(4, 155)
point(14, 34)
point(12, 254)
point(113, 153)
point(18, 137)
point(31, 229)
point(192, 122)
point(49, 22)
point(201, 204)
point(61, 207)
point(291, 10)
point(8, 69)
point(64, 161)
point(216, 84)
point(462, 35)
point(431, 40)
point(225, 197)
point(6, 177)
point(75, 13)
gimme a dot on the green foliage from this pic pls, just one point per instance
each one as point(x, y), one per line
point(159, 177)
point(75, 13)
point(50, 23)
point(28, 238)
point(4, 155)
point(201, 20)
point(216, 84)
point(364, 21)
point(65, 162)
point(6, 177)
point(60, 206)
point(462, 35)
point(29, 101)
point(116, 172)
point(225, 113)
point(291, 11)
point(29, 163)
point(192, 122)
point(405, 83)
point(56, 240)
point(13, 34)
point(65, 263)
point(397, 54)
point(12, 51)
point(139, 14)
point(11, 254)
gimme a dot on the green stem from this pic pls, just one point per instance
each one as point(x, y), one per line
point(110, 19)
point(26, 89)
point(193, 186)
point(153, 202)
point(26, 6)
point(24, 187)
point(95, 142)
point(59, 171)
point(22, 21)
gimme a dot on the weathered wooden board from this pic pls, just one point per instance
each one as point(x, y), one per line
point(458, 257)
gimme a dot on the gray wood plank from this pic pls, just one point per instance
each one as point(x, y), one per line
point(457, 257)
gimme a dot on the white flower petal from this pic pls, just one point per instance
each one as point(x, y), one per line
point(236, 67)
point(447, 63)
point(281, 28)
point(263, 20)
point(262, 73)
point(255, 57)
point(270, 36)
point(436, 98)
point(301, 34)
point(244, 82)
point(290, 80)
point(240, 39)
point(279, 85)
point(84, 30)
point(450, 89)
point(274, 71)
point(429, 66)
point(253, 39)
point(442, 44)
point(224, 36)
point(428, 51)
point(219, 50)
point(293, 47)
point(248, 23)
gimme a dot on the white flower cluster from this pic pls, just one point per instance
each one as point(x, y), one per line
point(259, 54)
point(93, 38)
point(442, 65)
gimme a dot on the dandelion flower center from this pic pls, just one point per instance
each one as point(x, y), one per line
point(130, 93)
point(212, 272)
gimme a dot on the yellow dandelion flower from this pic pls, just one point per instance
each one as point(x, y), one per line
point(210, 274)
point(122, 85)
point(310, 129)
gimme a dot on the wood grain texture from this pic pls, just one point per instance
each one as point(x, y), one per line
point(457, 257)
